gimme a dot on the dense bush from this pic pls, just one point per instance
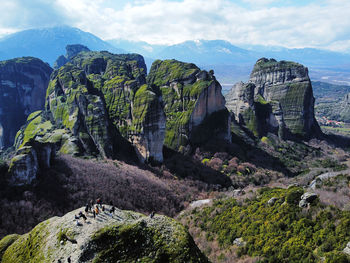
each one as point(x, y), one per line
point(281, 232)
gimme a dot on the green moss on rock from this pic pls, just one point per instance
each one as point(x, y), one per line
point(141, 242)
point(6, 242)
point(181, 85)
point(162, 73)
point(29, 247)
point(125, 236)
point(265, 64)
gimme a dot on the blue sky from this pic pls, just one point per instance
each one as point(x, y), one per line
point(289, 23)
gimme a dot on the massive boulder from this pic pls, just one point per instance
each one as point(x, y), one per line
point(123, 236)
point(193, 104)
point(278, 98)
point(23, 83)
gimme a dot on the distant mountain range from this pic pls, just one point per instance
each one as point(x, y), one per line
point(230, 63)
point(49, 43)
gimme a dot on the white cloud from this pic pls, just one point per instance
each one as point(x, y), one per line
point(323, 24)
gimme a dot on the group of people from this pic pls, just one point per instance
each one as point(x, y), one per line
point(94, 209)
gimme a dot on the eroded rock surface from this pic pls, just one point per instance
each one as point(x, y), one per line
point(96, 103)
point(23, 83)
point(193, 104)
point(278, 98)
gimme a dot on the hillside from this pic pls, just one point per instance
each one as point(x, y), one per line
point(270, 225)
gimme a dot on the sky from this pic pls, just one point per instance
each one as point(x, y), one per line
point(290, 23)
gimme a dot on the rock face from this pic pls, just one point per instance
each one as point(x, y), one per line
point(344, 110)
point(101, 104)
point(278, 98)
point(28, 160)
point(23, 83)
point(95, 104)
point(193, 104)
point(72, 51)
point(124, 236)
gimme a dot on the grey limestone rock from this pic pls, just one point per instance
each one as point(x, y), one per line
point(23, 83)
point(279, 100)
point(272, 201)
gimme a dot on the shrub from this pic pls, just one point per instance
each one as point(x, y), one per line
point(215, 164)
point(293, 195)
point(279, 233)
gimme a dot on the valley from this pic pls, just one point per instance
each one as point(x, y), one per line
point(267, 161)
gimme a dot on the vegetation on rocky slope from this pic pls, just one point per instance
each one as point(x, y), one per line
point(275, 231)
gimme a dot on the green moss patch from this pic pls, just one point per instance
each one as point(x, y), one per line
point(140, 242)
point(28, 247)
point(6, 242)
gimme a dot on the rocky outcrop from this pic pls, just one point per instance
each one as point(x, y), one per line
point(95, 104)
point(346, 250)
point(71, 51)
point(307, 198)
point(278, 98)
point(193, 104)
point(28, 160)
point(343, 110)
point(124, 235)
point(23, 83)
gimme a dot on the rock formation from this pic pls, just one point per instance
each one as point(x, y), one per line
point(99, 104)
point(278, 98)
point(123, 236)
point(72, 51)
point(343, 110)
point(23, 83)
point(193, 103)
point(96, 100)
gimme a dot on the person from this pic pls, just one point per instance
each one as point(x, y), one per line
point(94, 213)
point(103, 208)
point(97, 210)
point(111, 211)
point(87, 208)
point(81, 215)
point(152, 214)
point(69, 260)
point(99, 201)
